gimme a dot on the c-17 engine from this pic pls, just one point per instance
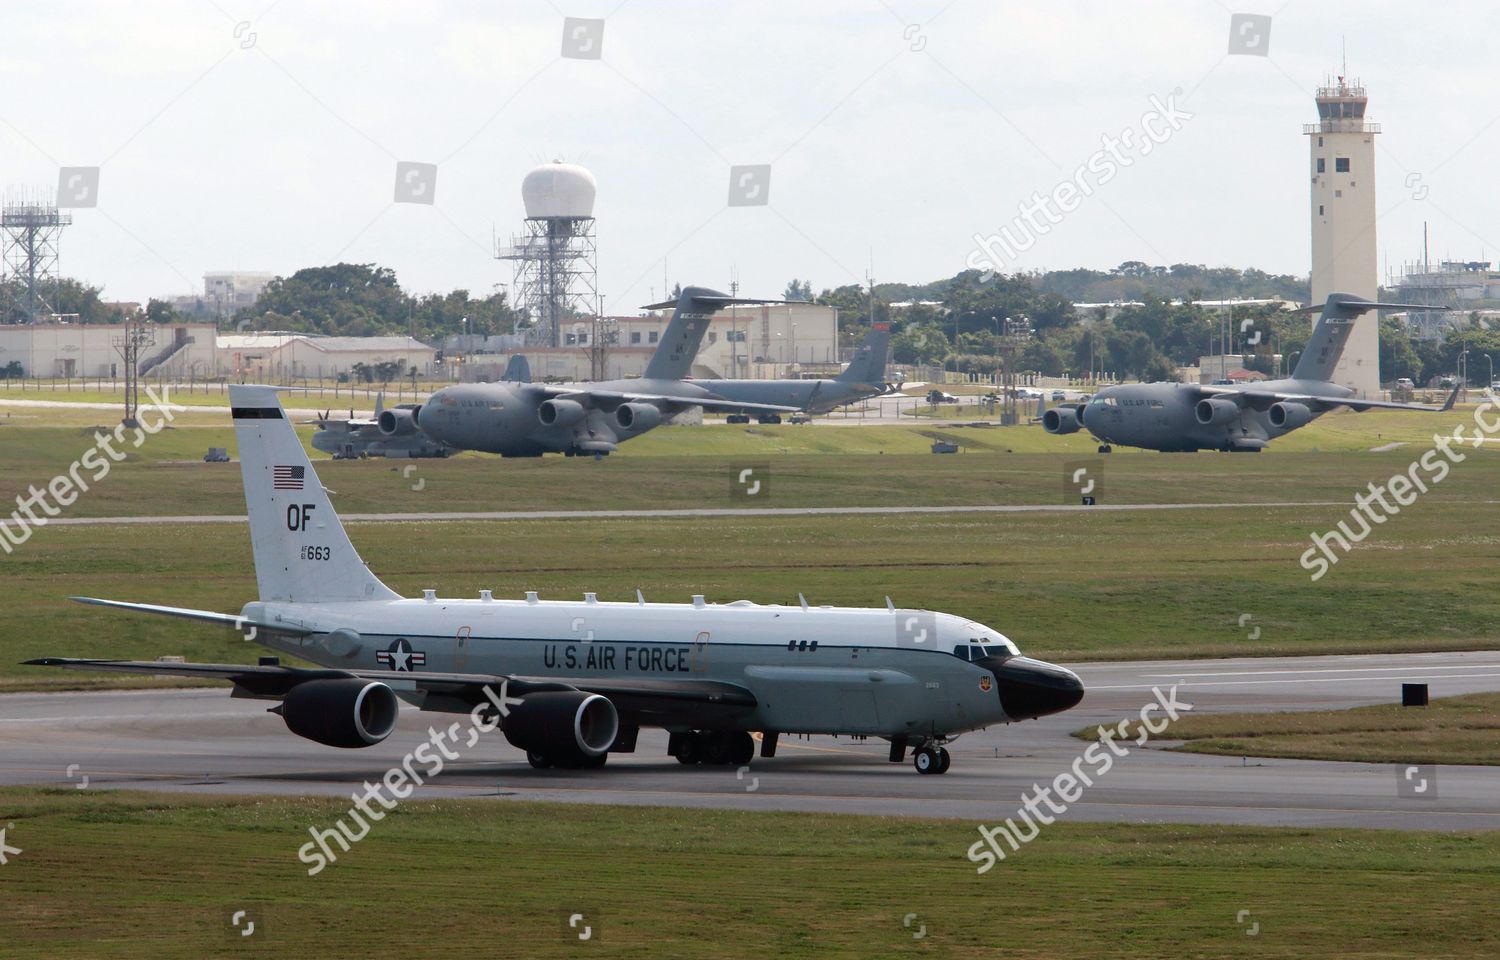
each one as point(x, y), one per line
point(637, 416)
point(1067, 419)
point(1216, 412)
point(399, 422)
point(1286, 415)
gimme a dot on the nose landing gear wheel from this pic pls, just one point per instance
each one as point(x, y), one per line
point(538, 760)
point(944, 759)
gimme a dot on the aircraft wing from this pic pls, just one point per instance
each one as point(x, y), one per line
point(463, 690)
point(1260, 399)
point(717, 404)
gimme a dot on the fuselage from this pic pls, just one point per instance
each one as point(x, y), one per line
point(505, 418)
point(871, 671)
point(1164, 416)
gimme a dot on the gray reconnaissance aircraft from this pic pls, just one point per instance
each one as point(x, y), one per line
point(359, 437)
point(528, 420)
point(572, 681)
point(1184, 418)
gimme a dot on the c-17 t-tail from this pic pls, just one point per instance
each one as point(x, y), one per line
point(1179, 417)
point(571, 682)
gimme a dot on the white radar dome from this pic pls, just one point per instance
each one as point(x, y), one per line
point(558, 190)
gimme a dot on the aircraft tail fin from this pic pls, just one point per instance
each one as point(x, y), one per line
point(302, 553)
point(1331, 333)
point(868, 365)
point(691, 312)
point(517, 370)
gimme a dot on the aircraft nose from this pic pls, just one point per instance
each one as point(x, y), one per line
point(1034, 688)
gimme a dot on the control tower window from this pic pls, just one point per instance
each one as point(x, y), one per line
point(1341, 165)
point(1322, 165)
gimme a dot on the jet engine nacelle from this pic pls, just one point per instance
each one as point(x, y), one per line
point(560, 413)
point(1215, 412)
point(400, 422)
point(1062, 420)
point(637, 416)
point(345, 712)
point(564, 725)
point(1288, 416)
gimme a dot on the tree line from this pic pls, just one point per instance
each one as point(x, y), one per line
point(962, 323)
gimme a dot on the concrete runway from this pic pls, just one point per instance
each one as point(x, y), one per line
point(198, 741)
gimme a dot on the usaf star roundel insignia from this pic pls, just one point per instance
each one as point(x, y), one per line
point(399, 656)
point(984, 683)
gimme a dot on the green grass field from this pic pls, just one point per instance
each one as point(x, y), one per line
point(1450, 730)
point(690, 467)
point(1077, 585)
point(104, 874)
point(1071, 587)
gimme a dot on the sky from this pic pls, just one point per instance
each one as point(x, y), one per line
point(237, 135)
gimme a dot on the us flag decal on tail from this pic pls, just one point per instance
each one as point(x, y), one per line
point(286, 478)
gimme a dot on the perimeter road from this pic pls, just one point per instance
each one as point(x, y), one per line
point(707, 512)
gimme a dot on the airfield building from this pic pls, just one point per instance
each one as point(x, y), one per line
point(765, 341)
point(181, 351)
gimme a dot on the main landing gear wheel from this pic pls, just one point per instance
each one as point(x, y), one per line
point(932, 760)
point(718, 747)
point(741, 749)
point(544, 761)
point(1105, 448)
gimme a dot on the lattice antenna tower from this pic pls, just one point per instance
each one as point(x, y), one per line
point(32, 230)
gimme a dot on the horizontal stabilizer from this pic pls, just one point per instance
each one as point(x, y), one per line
point(204, 616)
point(1348, 305)
point(714, 301)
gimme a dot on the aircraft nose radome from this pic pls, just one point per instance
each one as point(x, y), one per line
point(1034, 688)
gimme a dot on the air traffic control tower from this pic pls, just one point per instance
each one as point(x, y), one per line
point(1343, 222)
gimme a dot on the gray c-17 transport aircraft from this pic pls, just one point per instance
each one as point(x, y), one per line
point(1183, 418)
point(528, 420)
point(578, 679)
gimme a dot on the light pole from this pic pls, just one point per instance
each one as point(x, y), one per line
point(1491, 361)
